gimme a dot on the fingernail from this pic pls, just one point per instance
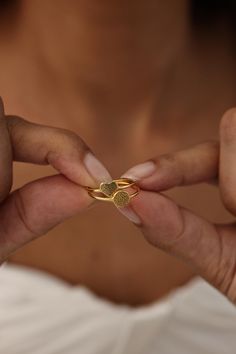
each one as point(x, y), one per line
point(140, 171)
point(96, 169)
point(130, 214)
point(1, 106)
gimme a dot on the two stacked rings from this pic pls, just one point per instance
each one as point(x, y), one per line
point(114, 191)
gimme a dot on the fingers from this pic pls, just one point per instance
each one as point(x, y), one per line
point(179, 232)
point(209, 248)
point(36, 208)
point(62, 149)
point(194, 165)
point(228, 160)
point(6, 157)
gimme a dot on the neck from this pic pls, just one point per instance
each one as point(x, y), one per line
point(110, 58)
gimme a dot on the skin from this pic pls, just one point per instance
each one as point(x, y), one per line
point(151, 90)
point(209, 248)
point(22, 202)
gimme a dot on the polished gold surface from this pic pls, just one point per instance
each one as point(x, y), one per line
point(113, 191)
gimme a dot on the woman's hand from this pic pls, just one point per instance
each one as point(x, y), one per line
point(209, 248)
point(40, 205)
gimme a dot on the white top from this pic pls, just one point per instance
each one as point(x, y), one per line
point(40, 314)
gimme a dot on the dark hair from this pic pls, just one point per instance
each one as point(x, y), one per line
point(204, 13)
point(208, 12)
point(7, 3)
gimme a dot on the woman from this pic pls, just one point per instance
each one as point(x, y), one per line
point(130, 81)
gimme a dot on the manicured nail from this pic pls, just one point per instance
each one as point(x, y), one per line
point(140, 171)
point(96, 169)
point(130, 214)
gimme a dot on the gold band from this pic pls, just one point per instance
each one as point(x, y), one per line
point(114, 191)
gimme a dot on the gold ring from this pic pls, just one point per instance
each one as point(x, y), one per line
point(114, 191)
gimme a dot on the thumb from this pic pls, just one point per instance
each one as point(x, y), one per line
point(208, 248)
point(31, 211)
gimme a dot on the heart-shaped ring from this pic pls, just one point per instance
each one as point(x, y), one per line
point(113, 191)
point(108, 188)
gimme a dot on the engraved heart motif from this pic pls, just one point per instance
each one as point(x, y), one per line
point(108, 188)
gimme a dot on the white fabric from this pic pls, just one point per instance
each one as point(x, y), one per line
point(42, 315)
